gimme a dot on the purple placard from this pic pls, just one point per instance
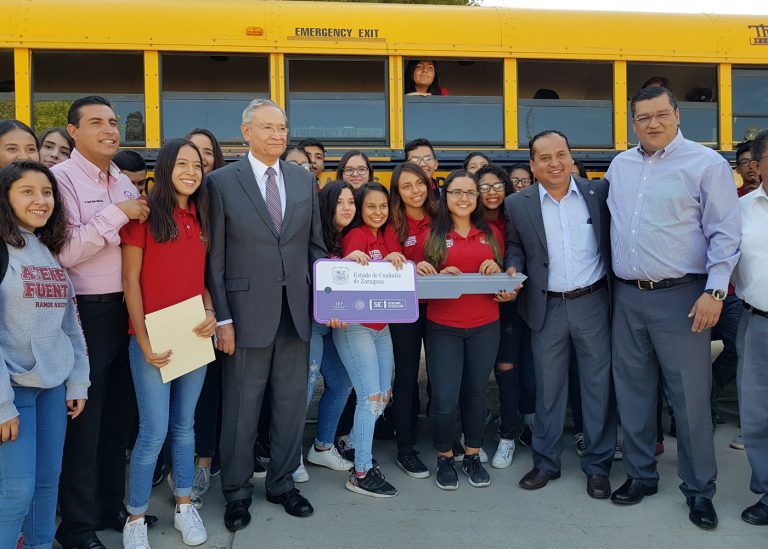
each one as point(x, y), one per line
point(373, 293)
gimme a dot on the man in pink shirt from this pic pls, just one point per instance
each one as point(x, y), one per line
point(99, 200)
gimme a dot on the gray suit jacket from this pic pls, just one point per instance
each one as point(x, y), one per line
point(526, 242)
point(249, 263)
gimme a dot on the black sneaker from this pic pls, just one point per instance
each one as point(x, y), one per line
point(372, 484)
point(476, 473)
point(259, 471)
point(446, 476)
point(345, 451)
point(412, 465)
point(526, 436)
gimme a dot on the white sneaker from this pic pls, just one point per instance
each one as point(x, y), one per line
point(329, 458)
point(504, 454)
point(301, 474)
point(135, 535)
point(202, 481)
point(187, 521)
point(483, 456)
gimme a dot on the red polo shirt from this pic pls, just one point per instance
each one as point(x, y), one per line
point(500, 228)
point(173, 271)
point(362, 238)
point(469, 310)
point(413, 247)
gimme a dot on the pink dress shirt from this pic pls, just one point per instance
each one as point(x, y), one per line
point(92, 256)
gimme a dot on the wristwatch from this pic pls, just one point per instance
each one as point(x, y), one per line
point(719, 295)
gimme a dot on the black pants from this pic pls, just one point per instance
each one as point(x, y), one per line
point(406, 345)
point(93, 467)
point(208, 412)
point(460, 362)
point(509, 380)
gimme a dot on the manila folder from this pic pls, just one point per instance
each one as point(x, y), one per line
point(171, 328)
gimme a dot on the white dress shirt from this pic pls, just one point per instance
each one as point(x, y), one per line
point(574, 259)
point(750, 277)
point(260, 172)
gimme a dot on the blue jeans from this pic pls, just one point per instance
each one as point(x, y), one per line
point(162, 405)
point(367, 356)
point(324, 359)
point(30, 468)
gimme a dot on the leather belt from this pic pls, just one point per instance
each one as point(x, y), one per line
point(578, 292)
point(661, 284)
point(754, 311)
point(114, 297)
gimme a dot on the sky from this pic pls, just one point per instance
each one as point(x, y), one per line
point(746, 7)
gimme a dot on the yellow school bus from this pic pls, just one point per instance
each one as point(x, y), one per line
point(339, 70)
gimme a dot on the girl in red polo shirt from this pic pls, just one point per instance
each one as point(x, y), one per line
point(163, 264)
point(412, 205)
point(366, 349)
point(462, 334)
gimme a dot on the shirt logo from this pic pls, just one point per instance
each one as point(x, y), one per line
point(97, 201)
point(410, 241)
point(449, 243)
point(376, 254)
point(129, 195)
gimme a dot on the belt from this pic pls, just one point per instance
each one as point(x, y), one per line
point(573, 294)
point(114, 297)
point(754, 311)
point(661, 284)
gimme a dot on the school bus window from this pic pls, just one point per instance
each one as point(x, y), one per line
point(61, 77)
point(574, 97)
point(210, 91)
point(338, 100)
point(7, 105)
point(694, 86)
point(750, 103)
point(454, 102)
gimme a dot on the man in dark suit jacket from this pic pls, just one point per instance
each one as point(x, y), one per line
point(558, 234)
point(265, 235)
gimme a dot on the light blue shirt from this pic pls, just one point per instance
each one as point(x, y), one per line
point(574, 259)
point(673, 213)
point(260, 172)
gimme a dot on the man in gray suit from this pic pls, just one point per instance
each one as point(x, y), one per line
point(558, 234)
point(265, 235)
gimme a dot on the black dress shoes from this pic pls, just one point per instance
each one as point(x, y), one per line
point(92, 543)
point(702, 512)
point(631, 492)
point(598, 486)
point(536, 478)
point(117, 521)
point(295, 504)
point(236, 515)
point(756, 514)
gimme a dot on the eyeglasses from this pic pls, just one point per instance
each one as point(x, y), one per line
point(519, 181)
point(270, 130)
point(306, 165)
point(498, 187)
point(422, 159)
point(744, 162)
point(661, 117)
point(363, 170)
point(457, 194)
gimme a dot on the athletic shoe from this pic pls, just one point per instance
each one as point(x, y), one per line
point(526, 436)
point(372, 484)
point(215, 467)
point(301, 474)
point(411, 464)
point(202, 481)
point(458, 450)
point(328, 458)
point(446, 477)
point(476, 473)
point(483, 454)
point(737, 443)
point(259, 471)
point(504, 454)
point(618, 453)
point(135, 535)
point(345, 451)
point(188, 522)
point(578, 441)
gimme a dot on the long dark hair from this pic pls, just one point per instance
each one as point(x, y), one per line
point(436, 250)
point(345, 159)
point(397, 207)
point(163, 200)
point(329, 198)
point(409, 86)
point(60, 131)
point(54, 233)
point(13, 124)
point(360, 195)
point(218, 156)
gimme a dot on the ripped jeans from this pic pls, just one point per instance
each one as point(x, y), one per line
point(367, 356)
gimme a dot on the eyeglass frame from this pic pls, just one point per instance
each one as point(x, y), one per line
point(457, 194)
point(661, 117)
point(498, 187)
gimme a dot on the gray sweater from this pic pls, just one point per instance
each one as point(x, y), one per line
point(41, 341)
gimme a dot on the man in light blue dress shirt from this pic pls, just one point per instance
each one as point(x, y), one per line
point(675, 232)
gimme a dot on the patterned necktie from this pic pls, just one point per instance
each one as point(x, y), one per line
point(273, 200)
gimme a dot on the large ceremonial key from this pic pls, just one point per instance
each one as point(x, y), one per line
point(447, 286)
